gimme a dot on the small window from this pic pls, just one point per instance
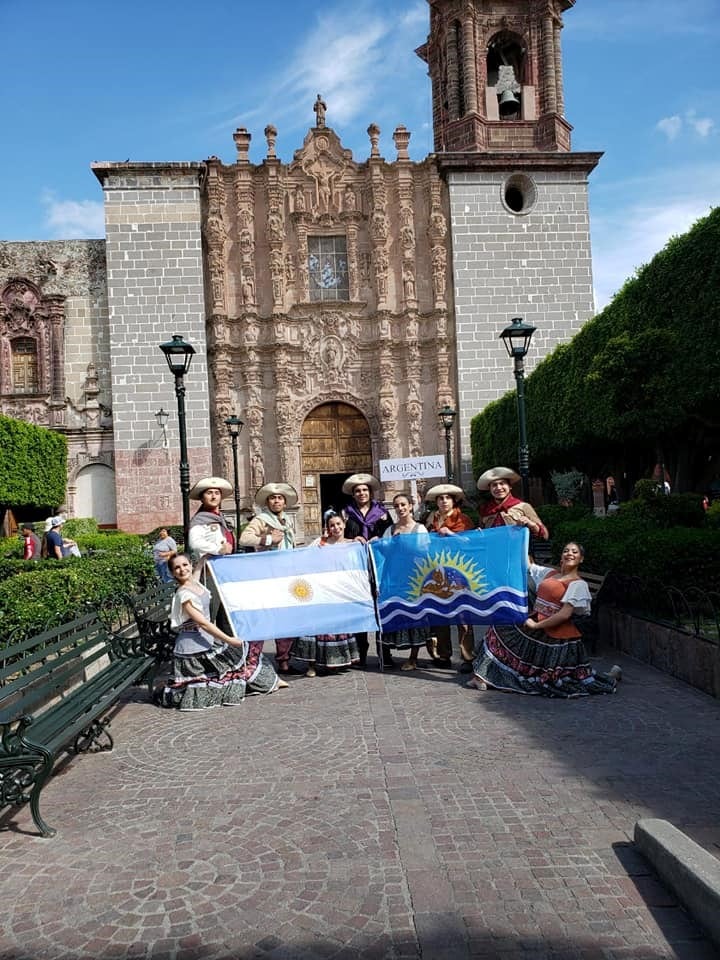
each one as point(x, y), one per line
point(328, 268)
point(24, 365)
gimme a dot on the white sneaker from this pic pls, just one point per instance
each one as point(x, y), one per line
point(615, 672)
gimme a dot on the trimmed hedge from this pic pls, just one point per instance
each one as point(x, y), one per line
point(631, 381)
point(34, 594)
point(33, 467)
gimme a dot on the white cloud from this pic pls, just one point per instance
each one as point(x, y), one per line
point(74, 219)
point(701, 125)
point(631, 233)
point(359, 58)
point(670, 126)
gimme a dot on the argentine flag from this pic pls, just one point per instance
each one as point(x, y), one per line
point(294, 593)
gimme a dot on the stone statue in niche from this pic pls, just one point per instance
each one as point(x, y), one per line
point(248, 289)
point(299, 200)
point(275, 231)
point(290, 268)
point(438, 270)
point(320, 109)
point(324, 179)
point(349, 200)
point(408, 284)
point(332, 356)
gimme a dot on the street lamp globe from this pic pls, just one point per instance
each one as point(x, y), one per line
point(178, 353)
point(517, 336)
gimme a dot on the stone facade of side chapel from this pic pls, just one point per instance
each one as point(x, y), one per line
point(335, 303)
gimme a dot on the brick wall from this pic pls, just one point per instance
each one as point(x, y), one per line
point(155, 290)
point(536, 265)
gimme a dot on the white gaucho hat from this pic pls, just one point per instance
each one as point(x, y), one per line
point(207, 483)
point(496, 473)
point(290, 494)
point(357, 479)
point(434, 492)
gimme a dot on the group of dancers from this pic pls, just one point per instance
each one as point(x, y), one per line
point(544, 655)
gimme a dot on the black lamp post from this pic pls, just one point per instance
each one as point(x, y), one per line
point(516, 337)
point(447, 419)
point(235, 425)
point(179, 353)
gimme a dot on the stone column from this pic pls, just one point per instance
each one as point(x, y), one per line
point(548, 72)
point(558, 71)
point(453, 73)
point(469, 63)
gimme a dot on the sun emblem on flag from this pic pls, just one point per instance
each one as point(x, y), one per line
point(444, 574)
point(301, 589)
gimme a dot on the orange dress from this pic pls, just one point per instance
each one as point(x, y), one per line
point(456, 521)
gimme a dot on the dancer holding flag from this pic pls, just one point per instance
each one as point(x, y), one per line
point(271, 530)
point(365, 519)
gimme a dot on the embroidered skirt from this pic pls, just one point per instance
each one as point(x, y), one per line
point(533, 663)
point(406, 639)
point(220, 677)
point(328, 650)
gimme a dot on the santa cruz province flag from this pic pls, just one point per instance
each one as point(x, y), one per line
point(476, 577)
point(293, 593)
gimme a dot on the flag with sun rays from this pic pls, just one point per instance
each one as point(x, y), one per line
point(476, 577)
point(293, 593)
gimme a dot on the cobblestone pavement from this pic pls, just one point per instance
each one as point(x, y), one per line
point(370, 815)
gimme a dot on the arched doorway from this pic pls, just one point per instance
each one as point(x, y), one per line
point(335, 443)
point(95, 496)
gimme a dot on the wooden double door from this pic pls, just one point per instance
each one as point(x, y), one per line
point(335, 443)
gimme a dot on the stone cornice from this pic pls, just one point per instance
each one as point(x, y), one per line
point(495, 160)
point(106, 168)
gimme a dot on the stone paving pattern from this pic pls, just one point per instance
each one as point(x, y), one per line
point(370, 815)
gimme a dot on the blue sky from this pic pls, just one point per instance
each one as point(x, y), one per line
point(162, 80)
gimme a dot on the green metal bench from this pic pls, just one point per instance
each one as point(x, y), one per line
point(55, 688)
point(151, 615)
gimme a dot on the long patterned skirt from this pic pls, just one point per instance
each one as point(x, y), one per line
point(407, 639)
point(329, 650)
point(520, 662)
point(221, 677)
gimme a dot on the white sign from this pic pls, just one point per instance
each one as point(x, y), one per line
point(413, 468)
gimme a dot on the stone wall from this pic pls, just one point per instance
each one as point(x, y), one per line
point(155, 290)
point(535, 264)
point(694, 659)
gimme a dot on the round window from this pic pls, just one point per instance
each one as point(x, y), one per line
point(519, 193)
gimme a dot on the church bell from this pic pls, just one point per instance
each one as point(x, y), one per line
point(508, 103)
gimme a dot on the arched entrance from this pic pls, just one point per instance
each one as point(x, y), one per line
point(335, 443)
point(95, 496)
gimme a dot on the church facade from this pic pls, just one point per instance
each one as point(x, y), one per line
point(335, 303)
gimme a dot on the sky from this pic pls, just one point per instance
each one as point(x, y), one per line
point(171, 80)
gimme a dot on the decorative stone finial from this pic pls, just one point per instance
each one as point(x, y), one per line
point(242, 143)
point(271, 137)
point(374, 133)
point(320, 108)
point(401, 138)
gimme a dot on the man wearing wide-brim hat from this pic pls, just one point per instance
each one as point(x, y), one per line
point(504, 509)
point(447, 519)
point(365, 519)
point(209, 533)
point(271, 530)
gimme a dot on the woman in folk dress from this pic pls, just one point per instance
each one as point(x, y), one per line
point(328, 651)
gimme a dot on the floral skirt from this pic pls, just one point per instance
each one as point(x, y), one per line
point(518, 661)
point(328, 650)
point(406, 639)
point(220, 677)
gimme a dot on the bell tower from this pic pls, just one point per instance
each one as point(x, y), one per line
point(518, 195)
point(496, 73)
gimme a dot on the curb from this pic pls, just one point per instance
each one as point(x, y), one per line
point(692, 873)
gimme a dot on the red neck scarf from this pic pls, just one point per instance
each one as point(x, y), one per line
point(494, 509)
